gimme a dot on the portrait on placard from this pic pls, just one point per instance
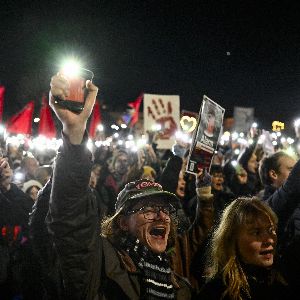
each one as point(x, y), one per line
point(210, 125)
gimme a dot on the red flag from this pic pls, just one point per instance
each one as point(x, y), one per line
point(46, 124)
point(135, 105)
point(2, 92)
point(21, 122)
point(95, 119)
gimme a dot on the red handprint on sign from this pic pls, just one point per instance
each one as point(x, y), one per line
point(162, 114)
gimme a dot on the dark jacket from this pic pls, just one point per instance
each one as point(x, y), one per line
point(259, 285)
point(285, 202)
point(90, 265)
point(19, 272)
point(42, 244)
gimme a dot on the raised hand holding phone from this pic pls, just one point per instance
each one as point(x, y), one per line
point(73, 124)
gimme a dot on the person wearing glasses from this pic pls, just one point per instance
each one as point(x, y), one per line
point(127, 257)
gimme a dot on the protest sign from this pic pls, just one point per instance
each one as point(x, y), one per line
point(188, 121)
point(206, 136)
point(243, 118)
point(162, 110)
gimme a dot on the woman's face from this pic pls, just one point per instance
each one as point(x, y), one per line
point(256, 242)
point(33, 193)
point(180, 191)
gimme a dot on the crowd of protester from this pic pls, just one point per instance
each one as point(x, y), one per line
point(68, 229)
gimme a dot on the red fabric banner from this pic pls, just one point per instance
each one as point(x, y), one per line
point(22, 121)
point(95, 120)
point(135, 105)
point(46, 124)
point(2, 92)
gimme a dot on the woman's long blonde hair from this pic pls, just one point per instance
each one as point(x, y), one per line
point(223, 253)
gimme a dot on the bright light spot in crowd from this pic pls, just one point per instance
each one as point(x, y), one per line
point(59, 142)
point(114, 126)
point(141, 143)
point(290, 140)
point(36, 120)
point(90, 144)
point(250, 141)
point(254, 125)
point(98, 144)
point(116, 135)
point(71, 68)
point(242, 141)
point(129, 144)
point(278, 133)
point(130, 137)
point(274, 135)
point(237, 151)
point(13, 140)
point(109, 139)
point(226, 136)
point(182, 136)
point(274, 143)
point(234, 163)
point(283, 140)
point(2, 128)
point(19, 176)
point(120, 142)
point(106, 143)
point(297, 123)
point(290, 152)
point(156, 127)
point(242, 134)
point(100, 127)
point(134, 149)
point(123, 126)
point(234, 136)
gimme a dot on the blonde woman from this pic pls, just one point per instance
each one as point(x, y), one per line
point(242, 255)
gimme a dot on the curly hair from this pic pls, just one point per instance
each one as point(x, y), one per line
point(224, 257)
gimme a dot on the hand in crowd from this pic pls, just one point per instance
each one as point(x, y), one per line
point(242, 175)
point(203, 179)
point(73, 124)
point(6, 174)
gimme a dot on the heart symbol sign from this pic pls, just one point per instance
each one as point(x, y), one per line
point(188, 123)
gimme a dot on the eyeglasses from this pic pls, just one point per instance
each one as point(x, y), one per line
point(151, 212)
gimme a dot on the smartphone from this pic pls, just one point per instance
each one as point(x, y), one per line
point(78, 92)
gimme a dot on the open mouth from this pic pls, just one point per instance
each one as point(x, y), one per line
point(267, 252)
point(158, 232)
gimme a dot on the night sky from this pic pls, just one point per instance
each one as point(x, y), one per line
point(243, 53)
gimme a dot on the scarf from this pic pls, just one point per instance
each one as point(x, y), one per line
point(154, 269)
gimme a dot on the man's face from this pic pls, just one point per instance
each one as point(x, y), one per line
point(121, 164)
point(31, 166)
point(217, 181)
point(256, 242)
point(286, 165)
point(211, 123)
point(153, 232)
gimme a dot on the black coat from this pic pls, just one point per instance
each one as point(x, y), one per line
point(285, 202)
point(90, 264)
point(259, 286)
